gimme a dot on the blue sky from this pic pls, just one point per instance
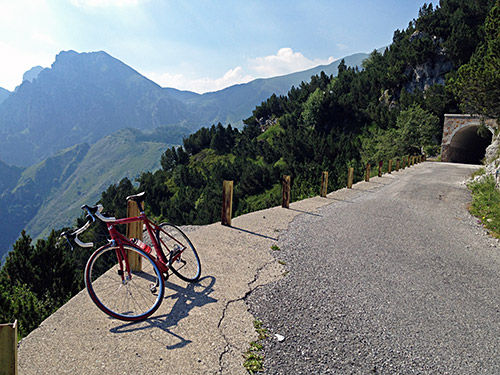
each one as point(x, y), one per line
point(197, 45)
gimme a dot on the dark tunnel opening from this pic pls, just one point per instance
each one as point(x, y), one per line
point(469, 147)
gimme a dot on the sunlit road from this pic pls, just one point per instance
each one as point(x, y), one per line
point(397, 280)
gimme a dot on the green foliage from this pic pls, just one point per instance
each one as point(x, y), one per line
point(36, 280)
point(415, 132)
point(478, 82)
point(254, 361)
point(458, 23)
point(417, 128)
point(486, 204)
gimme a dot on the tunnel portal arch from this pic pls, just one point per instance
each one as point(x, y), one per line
point(461, 142)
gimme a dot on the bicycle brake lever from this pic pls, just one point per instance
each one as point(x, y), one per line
point(66, 236)
point(69, 243)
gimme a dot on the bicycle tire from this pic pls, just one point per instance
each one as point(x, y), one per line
point(133, 299)
point(187, 265)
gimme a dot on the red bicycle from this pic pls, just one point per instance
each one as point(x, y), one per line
point(125, 278)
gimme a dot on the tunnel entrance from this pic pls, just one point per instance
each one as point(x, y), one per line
point(467, 146)
point(461, 142)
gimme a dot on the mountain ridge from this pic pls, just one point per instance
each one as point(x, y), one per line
point(85, 96)
point(81, 98)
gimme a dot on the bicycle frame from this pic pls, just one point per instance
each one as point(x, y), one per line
point(118, 238)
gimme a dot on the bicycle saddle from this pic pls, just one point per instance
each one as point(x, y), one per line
point(137, 197)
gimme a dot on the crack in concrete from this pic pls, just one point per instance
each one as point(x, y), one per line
point(229, 346)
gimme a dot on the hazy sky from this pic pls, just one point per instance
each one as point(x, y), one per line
point(197, 45)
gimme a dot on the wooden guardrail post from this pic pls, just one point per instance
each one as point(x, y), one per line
point(285, 201)
point(8, 349)
point(389, 168)
point(409, 161)
point(397, 165)
point(380, 163)
point(367, 172)
point(134, 230)
point(227, 202)
point(324, 184)
point(350, 177)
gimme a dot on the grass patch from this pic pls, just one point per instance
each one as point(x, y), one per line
point(486, 204)
point(262, 332)
point(254, 360)
point(275, 248)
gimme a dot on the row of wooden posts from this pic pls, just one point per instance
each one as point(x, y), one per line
point(227, 186)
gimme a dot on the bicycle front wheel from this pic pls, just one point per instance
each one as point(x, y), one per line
point(183, 259)
point(129, 296)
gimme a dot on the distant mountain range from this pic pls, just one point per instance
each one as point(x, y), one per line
point(81, 98)
point(69, 131)
point(86, 96)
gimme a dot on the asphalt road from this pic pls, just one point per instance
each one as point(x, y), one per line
point(397, 280)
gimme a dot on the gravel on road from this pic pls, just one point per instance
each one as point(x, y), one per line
point(396, 280)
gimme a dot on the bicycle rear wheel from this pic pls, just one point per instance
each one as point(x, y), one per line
point(183, 259)
point(124, 296)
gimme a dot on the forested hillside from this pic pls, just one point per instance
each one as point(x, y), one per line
point(391, 107)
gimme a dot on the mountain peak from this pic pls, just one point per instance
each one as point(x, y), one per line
point(32, 74)
point(82, 97)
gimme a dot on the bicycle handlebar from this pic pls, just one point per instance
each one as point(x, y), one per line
point(101, 216)
point(81, 230)
point(92, 213)
point(73, 235)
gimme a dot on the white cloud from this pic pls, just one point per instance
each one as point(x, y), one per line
point(201, 85)
point(284, 62)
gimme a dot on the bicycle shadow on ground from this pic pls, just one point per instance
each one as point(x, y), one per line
point(186, 298)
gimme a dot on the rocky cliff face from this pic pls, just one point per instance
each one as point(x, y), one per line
point(427, 74)
point(433, 70)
